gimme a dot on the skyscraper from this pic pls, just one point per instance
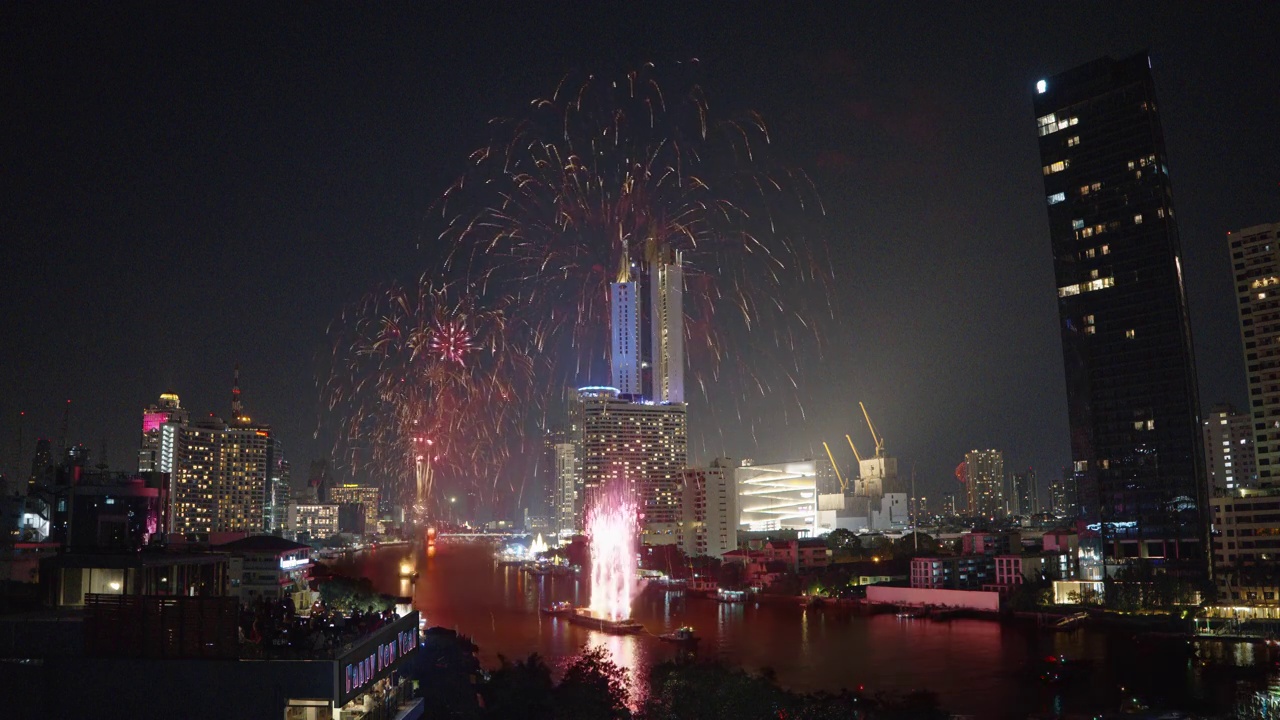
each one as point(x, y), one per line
point(641, 444)
point(985, 482)
point(159, 433)
point(1026, 493)
point(1131, 383)
point(710, 509)
point(566, 513)
point(666, 324)
point(1230, 463)
point(624, 332)
point(1255, 261)
point(220, 473)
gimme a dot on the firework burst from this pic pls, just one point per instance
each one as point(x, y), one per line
point(606, 172)
point(422, 381)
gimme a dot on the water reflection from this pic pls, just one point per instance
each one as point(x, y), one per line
point(977, 667)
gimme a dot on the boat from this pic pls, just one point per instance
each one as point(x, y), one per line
point(731, 596)
point(913, 613)
point(563, 607)
point(1069, 622)
point(585, 618)
point(682, 636)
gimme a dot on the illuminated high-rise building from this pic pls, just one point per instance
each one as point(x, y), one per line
point(1255, 261)
point(710, 510)
point(160, 425)
point(280, 493)
point(1230, 463)
point(221, 478)
point(567, 510)
point(624, 332)
point(1132, 403)
point(366, 496)
point(986, 482)
point(666, 324)
point(641, 444)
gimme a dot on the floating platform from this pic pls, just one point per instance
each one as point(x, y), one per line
point(583, 617)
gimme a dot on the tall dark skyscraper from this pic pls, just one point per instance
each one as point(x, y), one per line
point(1126, 339)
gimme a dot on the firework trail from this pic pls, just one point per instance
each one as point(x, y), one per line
point(603, 170)
point(423, 382)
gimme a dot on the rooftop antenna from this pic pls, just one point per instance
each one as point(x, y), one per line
point(62, 433)
point(235, 394)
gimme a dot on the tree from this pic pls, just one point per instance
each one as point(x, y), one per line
point(593, 688)
point(446, 667)
point(519, 691)
point(841, 539)
point(906, 546)
point(348, 594)
point(732, 575)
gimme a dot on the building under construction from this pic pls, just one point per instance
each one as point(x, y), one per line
point(869, 502)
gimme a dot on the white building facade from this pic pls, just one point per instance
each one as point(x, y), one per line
point(710, 510)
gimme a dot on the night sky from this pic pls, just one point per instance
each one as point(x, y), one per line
point(186, 188)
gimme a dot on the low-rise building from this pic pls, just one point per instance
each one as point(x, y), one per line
point(266, 567)
point(991, 543)
point(961, 572)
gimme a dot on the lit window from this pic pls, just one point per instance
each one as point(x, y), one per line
point(1087, 232)
point(1098, 284)
point(1077, 224)
point(1138, 425)
point(1129, 334)
point(1090, 330)
point(1084, 189)
point(1073, 141)
point(1088, 319)
point(1056, 198)
point(1096, 187)
point(1151, 424)
point(1137, 219)
point(1057, 167)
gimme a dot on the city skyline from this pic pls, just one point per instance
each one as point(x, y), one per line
point(871, 134)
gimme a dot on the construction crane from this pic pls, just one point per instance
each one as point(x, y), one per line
point(879, 440)
point(854, 449)
point(844, 486)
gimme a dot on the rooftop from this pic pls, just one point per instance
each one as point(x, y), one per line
point(262, 543)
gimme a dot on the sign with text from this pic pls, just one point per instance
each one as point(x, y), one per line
point(375, 658)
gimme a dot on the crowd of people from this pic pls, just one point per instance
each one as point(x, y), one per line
point(276, 629)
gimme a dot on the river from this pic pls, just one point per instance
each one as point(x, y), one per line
point(982, 668)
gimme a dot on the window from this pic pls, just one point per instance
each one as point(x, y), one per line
point(1137, 219)
point(1056, 198)
point(1057, 167)
point(1098, 284)
point(1105, 249)
point(1049, 124)
point(1077, 224)
point(1129, 334)
point(1073, 141)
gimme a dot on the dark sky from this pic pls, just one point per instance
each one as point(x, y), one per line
point(185, 188)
